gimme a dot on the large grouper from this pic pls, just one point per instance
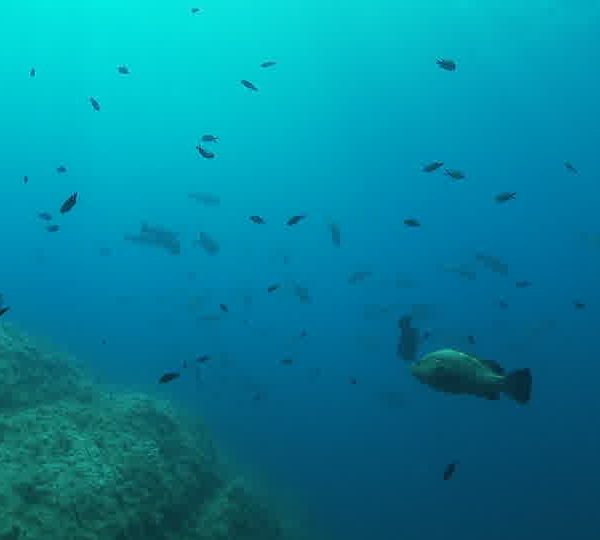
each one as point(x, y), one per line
point(455, 372)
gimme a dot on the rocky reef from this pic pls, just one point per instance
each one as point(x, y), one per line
point(79, 462)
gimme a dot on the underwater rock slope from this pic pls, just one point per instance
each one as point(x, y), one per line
point(77, 462)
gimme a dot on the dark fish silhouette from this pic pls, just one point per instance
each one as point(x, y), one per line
point(570, 167)
point(455, 174)
point(207, 154)
point(578, 304)
point(209, 138)
point(26, 179)
point(168, 377)
point(249, 85)
point(203, 359)
point(446, 64)
point(61, 169)
point(412, 222)
point(94, 103)
point(273, 288)
point(123, 70)
point(208, 199)
point(53, 228)
point(294, 220)
point(268, 64)
point(357, 277)
point(68, 205)
point(505, 196)
point(32, 72)
point(4, 310)
point(287, 361)
point(208, 244)
point(224, 308)
point(195, 10)
point(408, 344)
point(336, 234)
point(471, 340)
point(523, 284)
point(46, 216)
point(450, 470)
point(258, 220)
point(433, 166)
point(156, 236)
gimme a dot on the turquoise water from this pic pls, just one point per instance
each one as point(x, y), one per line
point(339, 131)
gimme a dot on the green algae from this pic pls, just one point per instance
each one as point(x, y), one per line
point(82, 463)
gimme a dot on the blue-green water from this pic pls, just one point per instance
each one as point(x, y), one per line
point(339, 131)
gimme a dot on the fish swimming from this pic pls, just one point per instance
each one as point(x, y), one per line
point(209, 138)
point(258, 220)
point(4, 310)
point(433, 166)
point(61, 169)
point(268, 64)
point(412, 222)
point(208, 243)
point(32, 72)
point(53, 228)
point(151, 235)
point(68, 205)
point(446, 64)
point(168, 377)
point(206, 154)
point(249, 85)
point(454, 372)
point(409, 339)
point(294, 220)
point(46, 216)
point(455, 174)
point(123, 70)
point(336, 234)
point(505, 196)
point(94, 103)
point(450, 470)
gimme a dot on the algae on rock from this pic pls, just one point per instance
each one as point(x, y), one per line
point(79, 463)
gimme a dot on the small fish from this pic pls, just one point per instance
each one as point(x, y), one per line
point(103, 342)
point(224, 308)
point(249, 85)
point(208, 244)
point(471, 340)
point(203, 359)
point(46, 216)
point(433, 166)
point(412, 222)
point(410, 338)
point(26, 179)
point(273, 288)
point(268, 64)
point(207, 199)
point(53, 228)
point(502, 304)
point(195, 10)
point(357, 277)
point(455, 174)
point(353, 380)
point(61, 169)
point(523, 284)
point(294, 220)
point(446, 64)
point(207, 154)
point(450, 470)
point(505, 196)
point(209, 138)
point(168, 377)
point(258, 220)
point(94, 103)
point(578, 304)
point(4, 310)
point(455, 372)
point(336, 234)
point(69, 204)
point(287, 361)
point(32, 72)
point(123, 70)
point(570, 167)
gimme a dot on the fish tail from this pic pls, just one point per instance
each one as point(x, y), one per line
point(518, 385)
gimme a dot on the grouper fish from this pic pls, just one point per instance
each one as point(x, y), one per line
point(455, 372)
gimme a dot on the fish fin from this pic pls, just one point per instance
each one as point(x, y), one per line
point(494, 366)
point(518, 385)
